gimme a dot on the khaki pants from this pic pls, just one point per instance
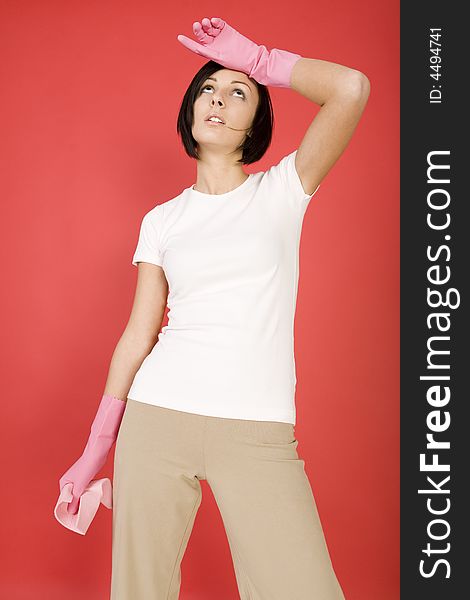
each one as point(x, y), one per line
point(261, 489)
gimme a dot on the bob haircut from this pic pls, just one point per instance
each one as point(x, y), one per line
point(254, 146)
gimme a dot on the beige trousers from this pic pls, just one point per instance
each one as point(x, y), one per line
point(261, 489)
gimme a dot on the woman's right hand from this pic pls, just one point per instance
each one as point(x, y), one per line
point(80, 474)
point(104, 431)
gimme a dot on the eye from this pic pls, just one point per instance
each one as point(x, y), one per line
point(235, 90)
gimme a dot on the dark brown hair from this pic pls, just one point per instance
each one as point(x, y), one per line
point(255, 145)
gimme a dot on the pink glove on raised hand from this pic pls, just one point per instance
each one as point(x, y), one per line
point(104, 431)
point(221, 43)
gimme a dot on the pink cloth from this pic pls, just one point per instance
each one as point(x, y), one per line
point(99, 491)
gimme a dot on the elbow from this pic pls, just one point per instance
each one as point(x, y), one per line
point(355, 85)
point(364, 85)
point(360, 85)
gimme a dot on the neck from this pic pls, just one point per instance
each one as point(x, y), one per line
point(218, 175)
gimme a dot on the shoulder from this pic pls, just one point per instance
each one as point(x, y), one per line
point(158, 212)
point(284, 176)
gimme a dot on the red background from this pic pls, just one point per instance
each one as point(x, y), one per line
point(90, 94)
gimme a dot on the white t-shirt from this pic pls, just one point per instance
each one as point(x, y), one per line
point(231, 261)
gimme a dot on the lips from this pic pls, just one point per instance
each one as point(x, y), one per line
point(218, 117)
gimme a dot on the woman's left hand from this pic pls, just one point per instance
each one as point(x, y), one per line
point(223, 44)
point(219, 42)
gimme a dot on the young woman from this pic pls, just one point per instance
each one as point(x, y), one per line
point(211, 396)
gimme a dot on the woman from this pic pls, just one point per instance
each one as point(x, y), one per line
point(212, 395)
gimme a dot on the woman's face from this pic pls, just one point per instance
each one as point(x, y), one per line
point(234, 97)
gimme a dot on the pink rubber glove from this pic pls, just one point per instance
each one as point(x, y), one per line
point(219, 42)
point(99, 491)
point(104, 431)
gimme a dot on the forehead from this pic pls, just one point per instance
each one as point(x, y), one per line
point(228, 75)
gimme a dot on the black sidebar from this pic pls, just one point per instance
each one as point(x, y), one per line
point(435, 256)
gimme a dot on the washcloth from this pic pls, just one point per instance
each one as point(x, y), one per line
point(98, 491)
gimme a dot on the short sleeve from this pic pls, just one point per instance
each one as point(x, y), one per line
point(148, 245)
point(287, 173)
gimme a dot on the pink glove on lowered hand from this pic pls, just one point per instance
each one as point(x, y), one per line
point(221, 43)
point(99, 490)
point(104, 431)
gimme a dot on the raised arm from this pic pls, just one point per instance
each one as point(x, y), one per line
point(342, 94)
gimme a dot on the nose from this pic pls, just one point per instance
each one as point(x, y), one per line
point(219, 101)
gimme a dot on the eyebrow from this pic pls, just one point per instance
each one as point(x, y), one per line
point(235, 81)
